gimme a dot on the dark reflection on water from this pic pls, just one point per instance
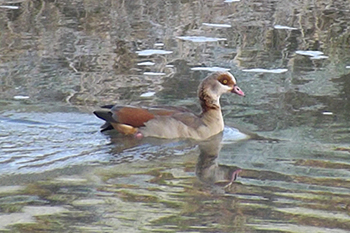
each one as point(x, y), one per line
point(61, 60)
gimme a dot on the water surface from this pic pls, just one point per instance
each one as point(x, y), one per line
point(59, 61)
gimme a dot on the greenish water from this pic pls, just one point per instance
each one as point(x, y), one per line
point(59, 61)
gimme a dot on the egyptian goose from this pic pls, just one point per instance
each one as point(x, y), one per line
point(174, 122)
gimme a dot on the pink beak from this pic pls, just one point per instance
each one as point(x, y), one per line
point(237, 91)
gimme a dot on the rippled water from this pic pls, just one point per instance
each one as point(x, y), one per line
point(59, 61)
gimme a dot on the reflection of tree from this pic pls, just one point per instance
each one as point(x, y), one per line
point(87, 44)
point(343, 106)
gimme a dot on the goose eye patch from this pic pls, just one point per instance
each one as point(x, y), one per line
point(227, 80)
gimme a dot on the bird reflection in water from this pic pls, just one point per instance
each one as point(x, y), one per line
point(208, 170)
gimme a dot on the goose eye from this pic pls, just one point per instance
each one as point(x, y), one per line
point(224, 81)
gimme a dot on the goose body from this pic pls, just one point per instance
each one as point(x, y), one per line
point(174, 122)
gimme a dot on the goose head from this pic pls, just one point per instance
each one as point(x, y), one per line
point(216, 84)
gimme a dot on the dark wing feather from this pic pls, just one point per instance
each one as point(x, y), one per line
point(138, 116)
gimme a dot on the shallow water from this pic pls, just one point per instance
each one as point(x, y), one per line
point(61, 60)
